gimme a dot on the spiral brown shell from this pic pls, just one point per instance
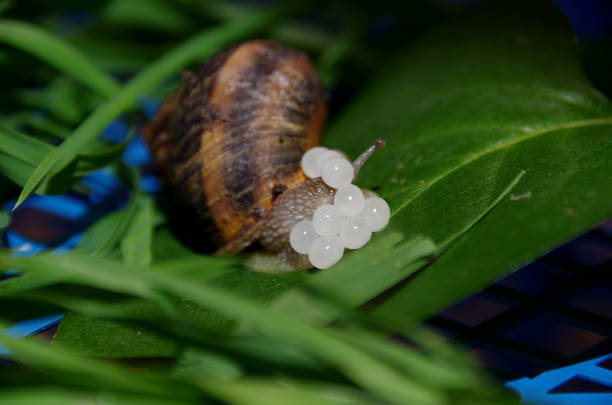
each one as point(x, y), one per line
point(230, 140)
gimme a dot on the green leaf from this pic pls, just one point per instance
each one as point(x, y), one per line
point(198, 47)
point(199, 363)
point(14, 169)
point(62, 99)
point(64, 395)
point(100, 231)
point(90, 333)
point(154, 15)
point(359, 277)
point(23, 147)
point(32, 120)
point(136, 244)
point(5, 219)
point(88, 162)
point(57, 53)
point(100, 337)
point(360, 367)
point(463, 111)
point(102, 237)
point(63, 362)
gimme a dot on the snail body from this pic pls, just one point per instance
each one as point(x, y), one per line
point(229, 144)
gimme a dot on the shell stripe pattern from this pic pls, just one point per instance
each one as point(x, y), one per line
point(237, 130)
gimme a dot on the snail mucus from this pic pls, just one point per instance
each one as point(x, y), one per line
point(231, 144)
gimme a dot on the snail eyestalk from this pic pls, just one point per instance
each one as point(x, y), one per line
point(378, 144)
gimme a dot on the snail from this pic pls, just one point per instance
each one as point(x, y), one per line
point(229, 143)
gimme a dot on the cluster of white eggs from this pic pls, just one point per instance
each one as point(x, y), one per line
point(348, 223)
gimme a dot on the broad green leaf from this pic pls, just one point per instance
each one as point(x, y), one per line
point(100, 337)
point(464, 111)
point(98, 374)
point(57, 53)
point(198, 47)
point(359, 277)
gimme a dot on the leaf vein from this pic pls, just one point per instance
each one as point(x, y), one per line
point(501, 146)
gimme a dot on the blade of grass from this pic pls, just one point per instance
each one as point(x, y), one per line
point(34, 120)
point(363, 369)
point(153, 15)
point(23, 147)
point(27, 282)
point(115, 225)
point(136, 244)
point(100, 231)
point(412, 363)
point(57, 53)
point(65, 395)
point(335, 392)
point(14, 169)
point(195, 49)
point(49, 126)
point(102, 376)
point(269, 392)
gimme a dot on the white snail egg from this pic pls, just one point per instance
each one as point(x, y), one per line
point(337, 171)
point(310, 161)
point(349, 199)
point(325, 252)
point(327, 220)
point(355, 232)
point(376, 213)
point(302, 236)
point(323, 156)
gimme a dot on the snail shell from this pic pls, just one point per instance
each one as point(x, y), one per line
point(230, 140)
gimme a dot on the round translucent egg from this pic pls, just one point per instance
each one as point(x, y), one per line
point(337, 171)
point(302, 236)
point(349, 199)
point(376, 213)
point(355, 232)
point(327, 220)
point(310, 161)
point(323, 156)
point(325, 252)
